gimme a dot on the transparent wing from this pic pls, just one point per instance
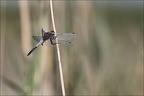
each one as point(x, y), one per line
point(64, 43)
point(60, 42)
point(65, 36)
point(37, 38)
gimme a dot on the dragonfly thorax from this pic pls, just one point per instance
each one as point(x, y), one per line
point(48, 35)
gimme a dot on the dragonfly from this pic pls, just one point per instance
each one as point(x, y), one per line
point(50, 37)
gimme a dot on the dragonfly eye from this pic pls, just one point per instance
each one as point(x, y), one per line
point(52, 32)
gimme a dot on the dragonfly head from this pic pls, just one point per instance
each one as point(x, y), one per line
point(52, 32)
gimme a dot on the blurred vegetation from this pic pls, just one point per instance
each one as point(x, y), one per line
point(106, 57)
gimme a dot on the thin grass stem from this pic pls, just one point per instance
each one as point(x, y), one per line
point(58, 51)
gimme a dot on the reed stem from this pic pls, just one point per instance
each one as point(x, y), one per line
point(58, 51)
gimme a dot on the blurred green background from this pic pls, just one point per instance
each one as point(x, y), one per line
point(106, 57)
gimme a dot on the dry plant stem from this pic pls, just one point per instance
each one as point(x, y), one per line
point(58, 51)
point(25, 26)
point(2, 42)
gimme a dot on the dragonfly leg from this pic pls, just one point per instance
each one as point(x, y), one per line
point(52, 42)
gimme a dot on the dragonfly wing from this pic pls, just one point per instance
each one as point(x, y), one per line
point(65, 36)
point(64, 43)
point(37, 38)
point(60, 42)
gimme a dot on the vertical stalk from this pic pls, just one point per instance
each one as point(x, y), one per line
point(2, 43)
point(58, 51)
point(25, 26)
